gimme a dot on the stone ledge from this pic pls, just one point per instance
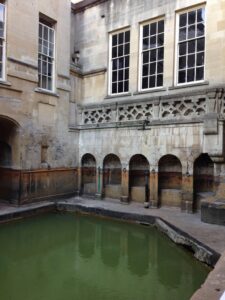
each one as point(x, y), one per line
point(213, 212)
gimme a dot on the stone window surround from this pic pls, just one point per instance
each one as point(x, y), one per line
point(149, 22)
point(121, 30)
point(50, 58)
point(178, 13)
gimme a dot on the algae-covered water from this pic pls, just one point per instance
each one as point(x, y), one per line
point(71, 257)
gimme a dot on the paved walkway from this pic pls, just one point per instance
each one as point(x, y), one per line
point(212, 236)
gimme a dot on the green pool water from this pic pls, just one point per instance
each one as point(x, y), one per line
point(68, 257)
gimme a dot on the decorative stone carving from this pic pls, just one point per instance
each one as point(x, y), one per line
point(97, 116)
point(182, 109)
point(136, 112)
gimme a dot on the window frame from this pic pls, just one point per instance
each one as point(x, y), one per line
point(176, 68)
point(52, 27)
point(122, 30)
point(140, 68)
point(3, 77)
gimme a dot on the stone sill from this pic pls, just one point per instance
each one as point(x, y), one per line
point(45, 92)
point(151, 91)
point(191, 85)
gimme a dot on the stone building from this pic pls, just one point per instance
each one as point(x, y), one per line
point(37, 151)
point(113, 99)
point(148, 81)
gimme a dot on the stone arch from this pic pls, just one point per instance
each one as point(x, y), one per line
point(112, 175)
point(170, 181)
point(203, 179)
point(139, 178)
point(9, 159)
point(88, 177)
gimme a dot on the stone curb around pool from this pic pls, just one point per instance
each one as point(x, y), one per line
point(202, 252)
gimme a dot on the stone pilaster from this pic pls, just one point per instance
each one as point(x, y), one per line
point(153, 184)
point(187, 193)
point(99, 183)
point(125, 186)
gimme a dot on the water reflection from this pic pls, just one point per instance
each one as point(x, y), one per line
point(86, 240)
point(110, 245)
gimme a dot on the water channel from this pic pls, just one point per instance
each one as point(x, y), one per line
point(65, 257)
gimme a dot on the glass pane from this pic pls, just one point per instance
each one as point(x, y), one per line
point(152, 68)
point(114, 64)
point(145, 31)
point(1, 70)
point(146, 44)
point(200, 44)
point(145, 70)
point(200, 29)
point(182, 77)
point(114, 88)
point(182, 34)
point(120, 50)
point(153, 42)
point(120, 87)
point(127, 49)
point(183, 20)
point(191, 46)
point(182, 62)
point(126, 77)
point(121, 63)
point(190, 75)
point(120, 75)
point(126, 86)
point(114, 40)
point(199, 73)
point(144, 82)
point(160, 80)
point(191, 32)
point(121, 36)
point(152, 82)
point(201, 15)
point(160, 26)
point(191, 61)
point(127, 36)
point(45, 33)
point(44, 82)
point(160, 53)
point(146, 57)
point(160, 67)
point(153, 29)
point(191, 17)
point(200, 59)
point(114, 52)
point(114, 76)
point(160, 40)
point(127, 60)
point(49, 81)
point(183, 49)
point(153, 55)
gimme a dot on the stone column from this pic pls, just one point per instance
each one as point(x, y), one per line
point(99, 183)
point(154, 197)
point(187, 193)
point(125, 185)
point(79, 180)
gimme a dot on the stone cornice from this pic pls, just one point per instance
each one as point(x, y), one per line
point(85, 4)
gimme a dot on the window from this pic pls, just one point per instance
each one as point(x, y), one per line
point(152, 55)
point(120, 61)
point(191, 46)
point(46, 56)
point(2, 40)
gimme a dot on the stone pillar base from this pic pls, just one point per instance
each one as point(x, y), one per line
point(187, 206)
point(124, 199)
point(153, 204)
point(99, 196)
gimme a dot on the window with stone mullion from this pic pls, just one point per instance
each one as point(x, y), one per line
point(191, 46)
point(152, 55)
